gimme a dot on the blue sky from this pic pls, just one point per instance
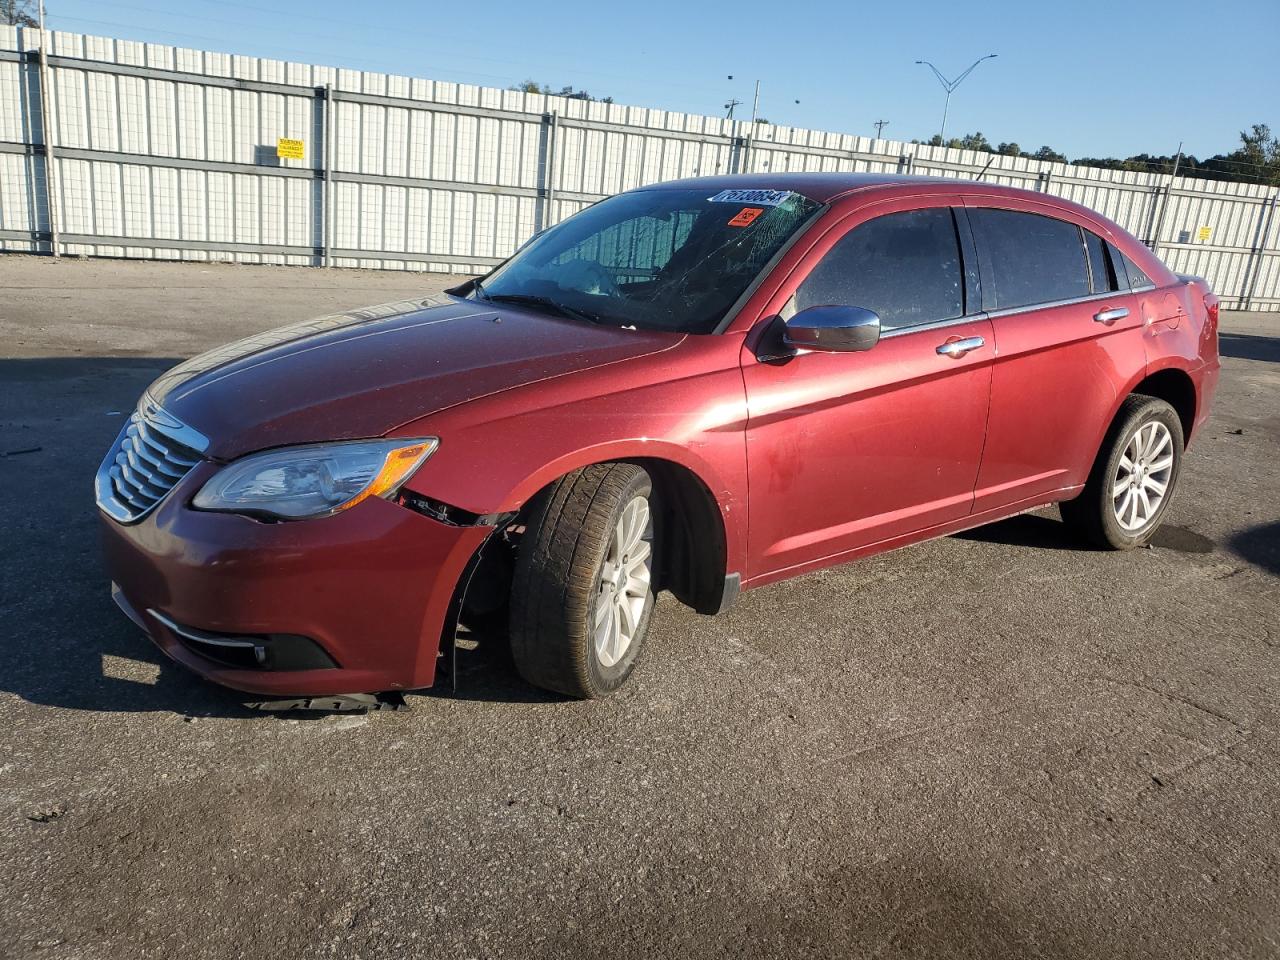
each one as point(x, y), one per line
point(1088, 78)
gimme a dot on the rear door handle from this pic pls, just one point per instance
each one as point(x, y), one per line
point(955, 349)
point(1111, 316)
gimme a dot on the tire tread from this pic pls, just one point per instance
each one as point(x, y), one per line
point(567, 531)
point(1087, 515)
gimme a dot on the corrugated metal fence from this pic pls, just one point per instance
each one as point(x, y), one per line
point(165, 152)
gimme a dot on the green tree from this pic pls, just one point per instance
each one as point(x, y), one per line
point(533, 86)
point(1259, 145)
point(1049, 154)
point(1257, 160)
point(1258, 157)
point(970, 141)
point(973, 141)
point(18, 13)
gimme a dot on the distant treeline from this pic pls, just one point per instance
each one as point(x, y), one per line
point(1257, 160)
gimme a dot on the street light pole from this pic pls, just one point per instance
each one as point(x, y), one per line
point(950, 86)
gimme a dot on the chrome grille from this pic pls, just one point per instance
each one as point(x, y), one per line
point(153, 452)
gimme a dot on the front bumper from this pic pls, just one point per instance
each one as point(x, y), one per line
point(371, 586)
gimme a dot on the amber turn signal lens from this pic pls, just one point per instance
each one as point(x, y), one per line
point(396, 468)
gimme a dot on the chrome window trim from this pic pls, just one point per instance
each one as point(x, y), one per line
point(1012, 311)
point(931, 325)
point(997, 314)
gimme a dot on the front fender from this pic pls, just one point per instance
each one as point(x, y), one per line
point(498, 452)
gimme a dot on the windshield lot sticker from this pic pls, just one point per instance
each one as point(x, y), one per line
point(745, 216)
point(764, 198)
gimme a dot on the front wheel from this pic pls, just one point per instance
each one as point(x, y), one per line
point(582, 594)
point(1133, 480)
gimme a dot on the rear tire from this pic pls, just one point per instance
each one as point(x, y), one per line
point(582, 594)
point(1133, 479)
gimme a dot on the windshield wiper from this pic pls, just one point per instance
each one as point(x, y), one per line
point(533, 300)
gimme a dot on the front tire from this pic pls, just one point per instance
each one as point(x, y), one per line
point(1133, 479)
point(582, 594)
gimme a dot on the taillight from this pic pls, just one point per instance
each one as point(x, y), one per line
point(1211, 307)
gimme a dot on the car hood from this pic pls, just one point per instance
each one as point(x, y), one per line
point(366, 372)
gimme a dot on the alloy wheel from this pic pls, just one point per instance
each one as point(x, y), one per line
point(1142, 477)
point(625, 583)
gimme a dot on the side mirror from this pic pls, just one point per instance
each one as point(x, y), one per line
point(833, 328)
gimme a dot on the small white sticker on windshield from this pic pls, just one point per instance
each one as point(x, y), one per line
point(764, 198)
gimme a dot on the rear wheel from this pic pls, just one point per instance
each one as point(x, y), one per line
point(1134, 477)
point(582, 595)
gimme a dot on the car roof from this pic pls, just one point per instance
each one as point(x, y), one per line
point(828, 187)
point(824, 187)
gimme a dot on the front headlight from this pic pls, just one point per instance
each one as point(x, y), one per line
point(316, 480)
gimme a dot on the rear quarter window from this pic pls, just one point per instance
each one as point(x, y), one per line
point(1138, 279)
point(1031, 258)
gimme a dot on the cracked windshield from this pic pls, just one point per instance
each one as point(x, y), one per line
point(654, 259)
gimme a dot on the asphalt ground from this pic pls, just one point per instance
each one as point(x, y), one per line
point(996, 744)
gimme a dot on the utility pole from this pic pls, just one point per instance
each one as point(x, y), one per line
point(755, 110)
point(751, 133)
point(46, 123)
point(755, 104)
point(950, 86)
point(1164, 206)
point(880, 125)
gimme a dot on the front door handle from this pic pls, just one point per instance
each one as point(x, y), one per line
point(955, 349)
point(1109, 317)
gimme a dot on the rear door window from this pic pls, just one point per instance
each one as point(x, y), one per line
point(904, 266)
point(1031, 258)
point(1102, 278)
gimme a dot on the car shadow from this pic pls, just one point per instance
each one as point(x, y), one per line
point(485, 671)
point(1246, 346)
point(1026, 530)
point(1048, 533)
point(65, 643)
point(1259, 545)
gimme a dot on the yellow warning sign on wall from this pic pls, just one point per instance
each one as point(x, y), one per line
point(1204, 233)
point(290, 149)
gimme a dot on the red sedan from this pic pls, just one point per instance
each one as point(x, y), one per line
point(700, 386)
